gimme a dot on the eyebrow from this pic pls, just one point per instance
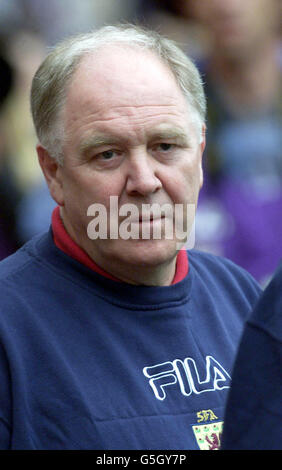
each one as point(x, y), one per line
point(99, 140)
point(170, 134)
point(95, 141)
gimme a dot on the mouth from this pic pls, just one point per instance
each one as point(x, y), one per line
point(149, 219)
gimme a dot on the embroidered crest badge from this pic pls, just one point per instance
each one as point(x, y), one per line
point(208, 436)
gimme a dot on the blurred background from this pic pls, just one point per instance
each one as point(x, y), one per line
point(237, 46)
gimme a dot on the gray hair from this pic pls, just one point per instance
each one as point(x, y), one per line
point(50, 82)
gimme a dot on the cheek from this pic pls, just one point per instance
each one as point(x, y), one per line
point(89, 188)
point(183, 185)
point(102, 187)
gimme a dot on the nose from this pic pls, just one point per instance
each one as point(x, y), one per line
point(142, 176)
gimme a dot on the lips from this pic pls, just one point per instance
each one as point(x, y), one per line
point(145, 214)
point(149, 218)
point(144, 218)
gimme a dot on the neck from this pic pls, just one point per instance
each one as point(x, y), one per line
point(158, 273)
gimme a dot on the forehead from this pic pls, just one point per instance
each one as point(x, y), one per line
point(125, 83)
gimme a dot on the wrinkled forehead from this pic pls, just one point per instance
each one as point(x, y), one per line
point(119, 74)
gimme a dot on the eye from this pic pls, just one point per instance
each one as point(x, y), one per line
point(107, 154)
point(110, 158)
point(165, 147)
point(164, 151)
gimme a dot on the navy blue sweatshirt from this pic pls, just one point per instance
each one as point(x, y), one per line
point(90, 363)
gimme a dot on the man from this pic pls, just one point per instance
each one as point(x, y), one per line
point(110, 341)
point(253, 418)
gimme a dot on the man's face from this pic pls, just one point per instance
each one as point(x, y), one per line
point(129, 134)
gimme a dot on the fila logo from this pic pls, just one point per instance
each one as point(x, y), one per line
point(187, 377)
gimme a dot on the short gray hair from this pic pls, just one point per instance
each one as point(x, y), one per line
point(50, 82)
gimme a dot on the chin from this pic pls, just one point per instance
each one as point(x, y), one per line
point(148, 252)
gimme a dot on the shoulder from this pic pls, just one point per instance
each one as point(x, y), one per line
point(220, 271)
point(274, 287)
point(25, 284)
point(218, 264)
point(17, 269)
point(15, 263)
point(267, 314)
point(257, 368)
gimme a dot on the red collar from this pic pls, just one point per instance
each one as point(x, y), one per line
point(65, 243)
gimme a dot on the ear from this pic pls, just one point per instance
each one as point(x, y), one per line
point(53, 174)
point(202, 148)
